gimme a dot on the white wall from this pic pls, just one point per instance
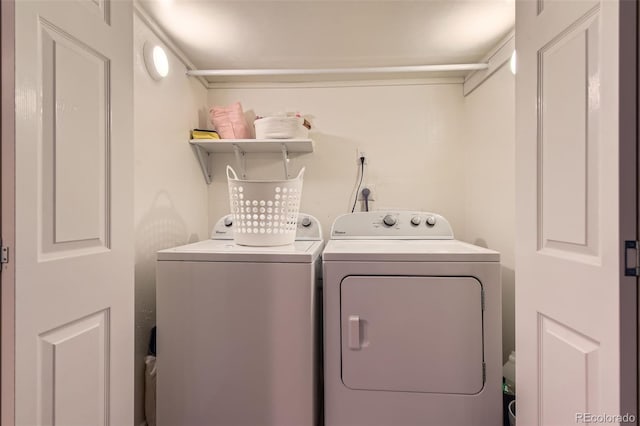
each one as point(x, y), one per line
point(428, 148)
point(412, 135)
point(170, 192)
point(489, 197)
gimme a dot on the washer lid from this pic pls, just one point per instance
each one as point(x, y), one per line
point(407, 251)
point(227, 251)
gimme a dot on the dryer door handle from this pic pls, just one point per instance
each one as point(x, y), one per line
point(354, 332)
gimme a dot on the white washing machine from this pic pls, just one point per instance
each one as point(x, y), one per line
point(239, 340)
point(412, 324)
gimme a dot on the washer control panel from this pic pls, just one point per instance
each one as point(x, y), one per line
point(308, 228)
point(389, 220)
point(396, 225)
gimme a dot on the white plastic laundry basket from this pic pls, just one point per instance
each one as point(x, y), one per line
point(265, 212)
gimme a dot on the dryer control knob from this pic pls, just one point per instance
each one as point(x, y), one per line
point(389, 220)
point(306, 222)
point(228, 221)
point(431, 220)
point(416, 220)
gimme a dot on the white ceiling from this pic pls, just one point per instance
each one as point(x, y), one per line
point(262, 34)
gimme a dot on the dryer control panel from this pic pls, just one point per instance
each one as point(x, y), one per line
point(309, 228)
point(391, 225)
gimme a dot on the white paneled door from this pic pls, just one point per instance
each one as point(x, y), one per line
point(568, 326)
point(74, 250)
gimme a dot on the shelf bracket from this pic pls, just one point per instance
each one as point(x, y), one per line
point(205, 163)
point(241, 160)
point(285, 160)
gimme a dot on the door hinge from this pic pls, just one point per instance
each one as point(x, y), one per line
point(484, 372)
point(4, 254)
point(633, 271)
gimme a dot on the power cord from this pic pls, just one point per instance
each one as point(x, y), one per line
point(365, 194)
point(355, 200)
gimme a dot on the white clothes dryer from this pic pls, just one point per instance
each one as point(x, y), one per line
point(239, 340)
point(412, 324)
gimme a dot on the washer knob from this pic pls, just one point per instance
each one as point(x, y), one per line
point(389, 220)
point(431, 220)
point(416, 220)
point(228, 222)
point(306, 222)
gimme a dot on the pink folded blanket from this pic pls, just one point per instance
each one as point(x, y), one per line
point(230, 122)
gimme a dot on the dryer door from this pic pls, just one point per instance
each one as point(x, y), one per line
point(415, 334)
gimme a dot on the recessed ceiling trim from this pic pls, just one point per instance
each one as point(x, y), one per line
point(497, 57)
point(325, 71)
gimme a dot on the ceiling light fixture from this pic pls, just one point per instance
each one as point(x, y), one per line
point(156, 60)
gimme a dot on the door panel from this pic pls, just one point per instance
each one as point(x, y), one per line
point(74, 216)
point(100, 8)
point(568, 138)
point(64, 396)
point(567, 211)
point(75, 143)
point(414, 334)
point(567, 354)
